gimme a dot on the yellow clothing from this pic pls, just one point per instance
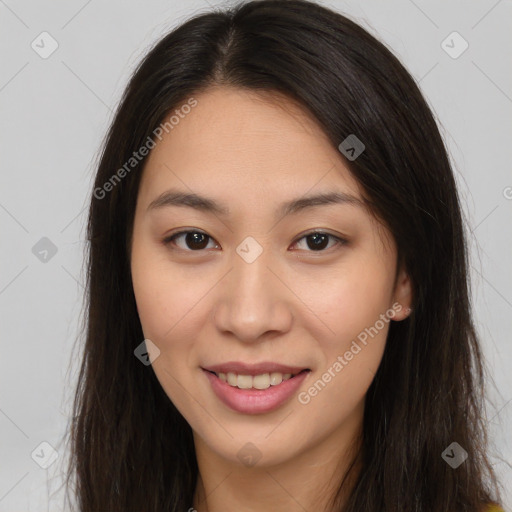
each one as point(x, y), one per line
point(494, 508)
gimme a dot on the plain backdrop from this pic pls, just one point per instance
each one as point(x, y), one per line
point(55, 110)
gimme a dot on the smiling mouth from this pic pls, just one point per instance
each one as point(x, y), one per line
point(262, 381)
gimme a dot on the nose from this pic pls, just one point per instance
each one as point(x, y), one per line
point(253, 301)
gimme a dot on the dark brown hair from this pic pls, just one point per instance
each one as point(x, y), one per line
point(131, 450)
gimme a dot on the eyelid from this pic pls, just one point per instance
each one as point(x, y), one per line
point(168, 239)
point(341, 241)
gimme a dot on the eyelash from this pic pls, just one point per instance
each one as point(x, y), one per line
point(170, 239)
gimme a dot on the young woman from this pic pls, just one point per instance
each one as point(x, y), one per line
point(278, 314)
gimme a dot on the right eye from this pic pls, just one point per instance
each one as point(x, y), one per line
point(195, 240)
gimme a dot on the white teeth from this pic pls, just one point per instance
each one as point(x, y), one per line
point(263, 381)
point(244, 381)
point(260, 381)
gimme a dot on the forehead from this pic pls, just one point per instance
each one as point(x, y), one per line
point(246, 143)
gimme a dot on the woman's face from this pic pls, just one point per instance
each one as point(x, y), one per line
point(251, 285)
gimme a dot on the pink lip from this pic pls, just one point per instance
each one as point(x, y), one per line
point(253, 369)
point(255, 401)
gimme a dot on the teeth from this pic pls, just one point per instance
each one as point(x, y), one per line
point(262, 381)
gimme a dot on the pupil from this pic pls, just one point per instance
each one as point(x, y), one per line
point(318, 243)
point(195, 238)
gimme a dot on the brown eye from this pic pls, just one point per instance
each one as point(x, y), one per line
point(194, 240)
point(317, 241)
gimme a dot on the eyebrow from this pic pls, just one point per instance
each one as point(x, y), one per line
point(177, 198)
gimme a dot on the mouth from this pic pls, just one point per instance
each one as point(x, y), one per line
point(255, 394)
point(260, 381)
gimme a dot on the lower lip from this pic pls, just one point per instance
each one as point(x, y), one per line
point(255, 401)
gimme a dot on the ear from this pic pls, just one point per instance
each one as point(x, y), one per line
point(402, 297)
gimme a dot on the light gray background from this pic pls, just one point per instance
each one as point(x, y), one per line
point(55, 112)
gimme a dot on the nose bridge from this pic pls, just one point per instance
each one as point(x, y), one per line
point(252, 300)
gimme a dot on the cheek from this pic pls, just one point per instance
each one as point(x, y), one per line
point(154, 298)
point(353, 301)
point(350, 301)
point(164, 294)
point(352, 353)
point(165, 303)
point(348, 298)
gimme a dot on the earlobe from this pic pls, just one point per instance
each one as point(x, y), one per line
point(403, 296)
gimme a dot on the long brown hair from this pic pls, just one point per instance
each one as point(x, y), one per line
point(131, 449)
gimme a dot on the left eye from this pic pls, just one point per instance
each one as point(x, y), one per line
point(197, 240)
point(317, 240)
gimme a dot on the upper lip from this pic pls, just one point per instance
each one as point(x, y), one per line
point(241, 368)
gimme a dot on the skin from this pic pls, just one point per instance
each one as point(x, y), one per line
point(293, 304)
